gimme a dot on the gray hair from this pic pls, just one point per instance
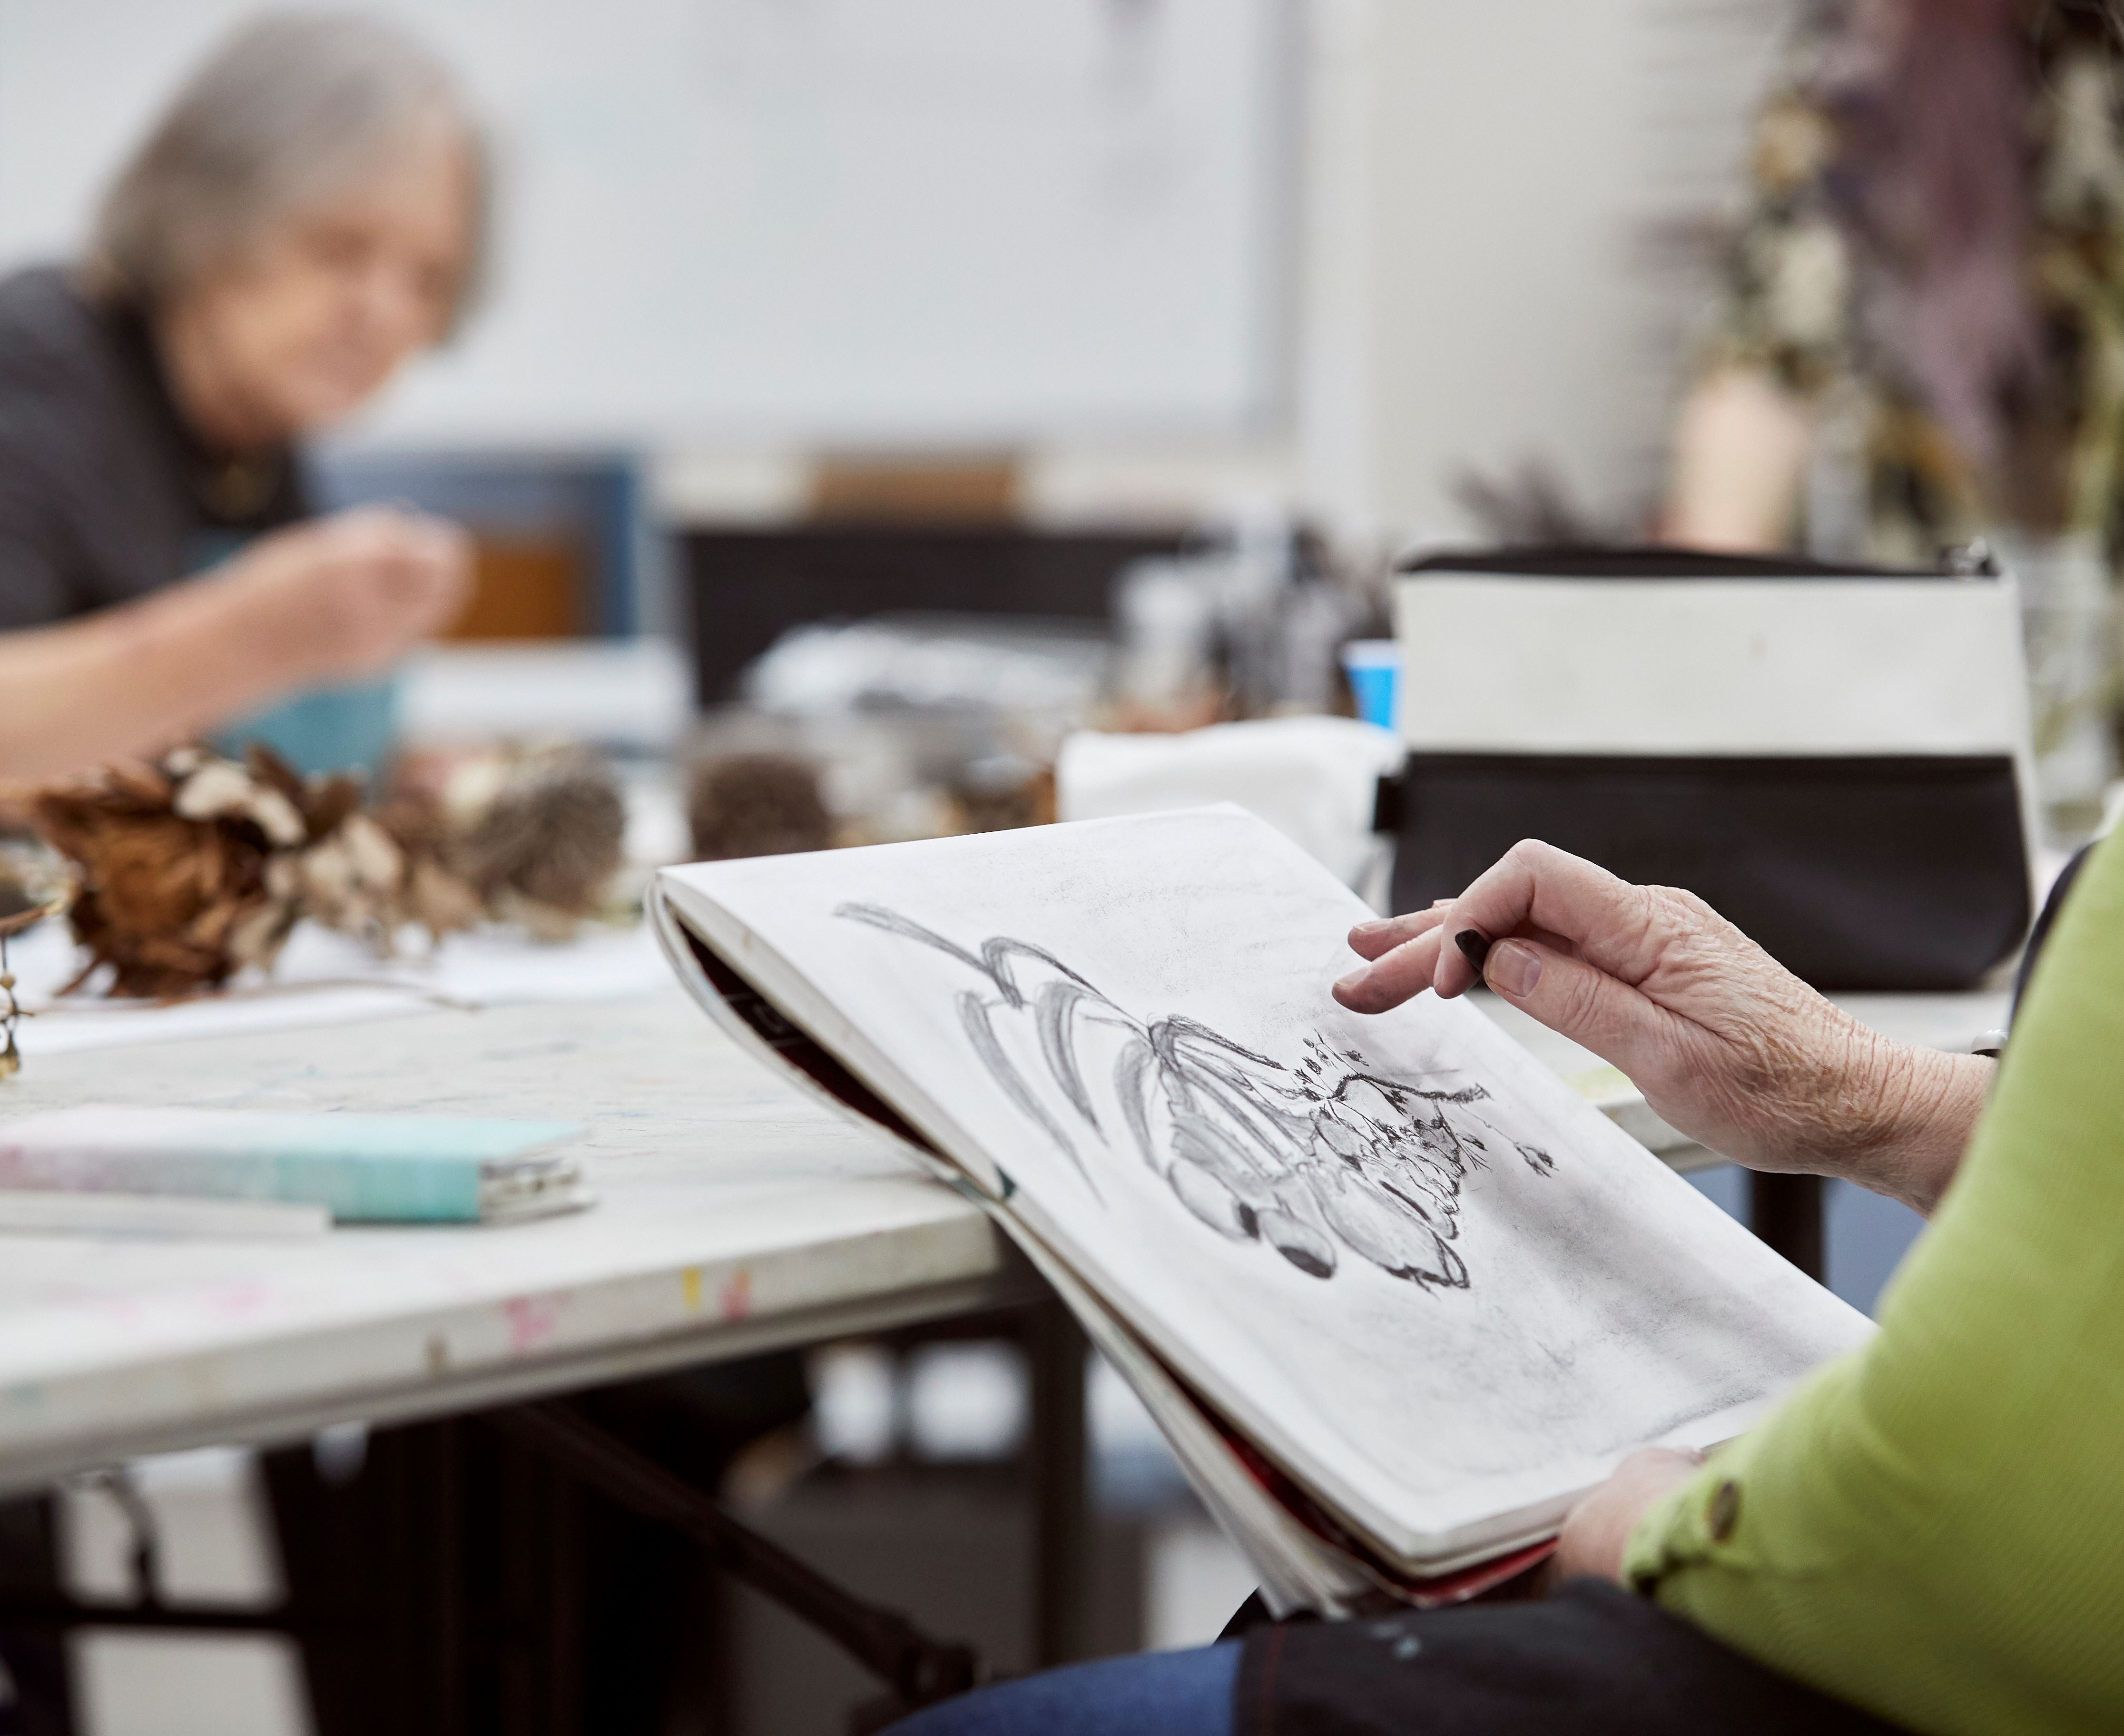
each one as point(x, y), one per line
point(292, 108)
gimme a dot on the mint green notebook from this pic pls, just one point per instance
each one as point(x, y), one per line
point(364, 1169)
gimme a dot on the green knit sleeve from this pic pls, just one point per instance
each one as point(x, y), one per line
point(1933, 1527)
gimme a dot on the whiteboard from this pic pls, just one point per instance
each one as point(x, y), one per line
point(802, 221)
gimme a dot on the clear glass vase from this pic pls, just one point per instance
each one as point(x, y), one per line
point(2068, 622)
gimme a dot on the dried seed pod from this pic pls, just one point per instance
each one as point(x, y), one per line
point(192, 870)
point(756, 805)
point(160, 892)
point(433, 893)
point(553, 836)
point(437, 900)
point(221, 790)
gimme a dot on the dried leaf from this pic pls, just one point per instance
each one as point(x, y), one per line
point(222, 790)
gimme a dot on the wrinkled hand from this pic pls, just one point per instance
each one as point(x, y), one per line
point(347, 596)
point(1727, 1046)
point(1599, 1528)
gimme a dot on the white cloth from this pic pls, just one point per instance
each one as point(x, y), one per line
point(1314, 779)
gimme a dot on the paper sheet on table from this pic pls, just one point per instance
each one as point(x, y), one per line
point(324, 978)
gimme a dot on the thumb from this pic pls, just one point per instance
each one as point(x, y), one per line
point(1581, 1001)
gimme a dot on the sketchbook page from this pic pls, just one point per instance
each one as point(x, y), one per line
point(1396, 1251)
point(788, 1051)
point(1298, 1571)
point(680, 919)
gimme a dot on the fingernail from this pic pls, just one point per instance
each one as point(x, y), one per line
point(1351, 981)
point(1513, 969)
point(1372, 926)
point(1474, 947)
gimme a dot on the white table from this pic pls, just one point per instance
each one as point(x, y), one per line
point(733, 1215)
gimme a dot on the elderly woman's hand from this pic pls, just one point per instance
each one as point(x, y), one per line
point(346, 596)
point(326, 602)
point(1727, 1046)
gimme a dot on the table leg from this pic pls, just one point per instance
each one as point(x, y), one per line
point(1786, 1212)
point(1056, 1347)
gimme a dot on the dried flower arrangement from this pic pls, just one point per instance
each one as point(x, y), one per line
point(190, 870)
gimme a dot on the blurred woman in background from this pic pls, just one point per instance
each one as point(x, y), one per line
point(304, 608)
point(305, 218)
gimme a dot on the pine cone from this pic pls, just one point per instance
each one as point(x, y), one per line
point(434, 895)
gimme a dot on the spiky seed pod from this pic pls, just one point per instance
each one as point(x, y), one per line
point(756, 805)
point(553, 836)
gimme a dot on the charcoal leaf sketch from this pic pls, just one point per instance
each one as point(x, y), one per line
point(1314, 1158)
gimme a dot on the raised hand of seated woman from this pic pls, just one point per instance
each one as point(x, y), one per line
point(1727, 1046)
point(321, 602)
point(341, 597)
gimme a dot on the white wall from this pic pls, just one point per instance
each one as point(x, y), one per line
point(1483, 187)
point(1501, 250)
point(1505, 137)
point(1463, 283)
point(836, 221)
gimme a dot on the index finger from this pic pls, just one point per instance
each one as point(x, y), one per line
point(1375, 939)
point(1607, 920)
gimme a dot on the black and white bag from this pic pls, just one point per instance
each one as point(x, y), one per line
point(1837, 761)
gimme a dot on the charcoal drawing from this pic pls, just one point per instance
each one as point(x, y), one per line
point(1316, 1158)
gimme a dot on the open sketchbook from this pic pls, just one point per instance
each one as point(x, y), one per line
point(1396, 1295)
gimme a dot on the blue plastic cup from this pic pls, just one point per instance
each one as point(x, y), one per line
point(1374, 667)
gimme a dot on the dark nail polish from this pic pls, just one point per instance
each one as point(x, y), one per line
point(1474, 947)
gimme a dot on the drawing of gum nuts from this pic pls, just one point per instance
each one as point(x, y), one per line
point(1398, 1158)
point(1415, 1164)
point(1213, 1176)
point(1205, 1193)
point(1453, 1145)
point(1372, 1102)
point(1238, 1201)
point(1390, 1228)
point(1295, 1227)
